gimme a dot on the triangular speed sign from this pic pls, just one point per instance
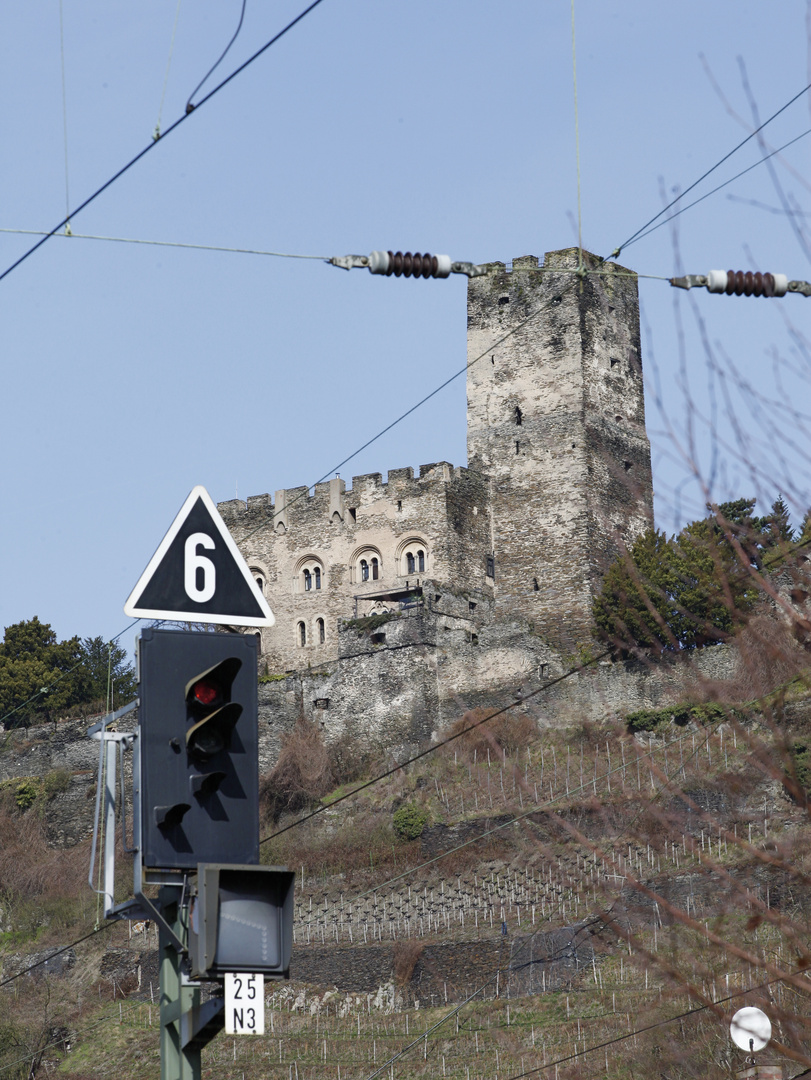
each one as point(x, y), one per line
point(198, 573)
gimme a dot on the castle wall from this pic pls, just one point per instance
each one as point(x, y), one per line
point(442, 514)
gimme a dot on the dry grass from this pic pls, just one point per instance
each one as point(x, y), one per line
point(302, 774)
point(506, 733)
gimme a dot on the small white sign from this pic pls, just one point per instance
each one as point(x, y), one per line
point(244, 1004)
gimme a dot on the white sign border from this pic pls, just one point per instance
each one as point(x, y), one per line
point(131, 606)
point(258, 1007)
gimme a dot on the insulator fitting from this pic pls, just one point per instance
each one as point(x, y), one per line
point(742, 283)
point(408, 265)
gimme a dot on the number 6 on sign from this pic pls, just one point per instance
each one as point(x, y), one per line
point(193, 563)
point(244, 1004)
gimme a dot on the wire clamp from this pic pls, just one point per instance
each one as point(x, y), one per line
point(688, 281)
point(470, 269)
point(347, 262)
point(801, 287)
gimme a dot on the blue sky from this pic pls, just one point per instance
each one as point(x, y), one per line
point(132, 373)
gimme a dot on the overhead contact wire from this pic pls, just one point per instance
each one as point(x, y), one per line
point(153, 143)
point(636, 235)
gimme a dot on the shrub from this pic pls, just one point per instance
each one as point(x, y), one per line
point(409, 821)
point(302, 774)
point(407, 953)
point(506, 733)
point(653, 719)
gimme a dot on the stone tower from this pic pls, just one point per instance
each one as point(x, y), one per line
point(556, 428)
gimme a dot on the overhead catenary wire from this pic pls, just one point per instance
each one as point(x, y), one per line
point(641, 1031)
point(433, 748)
point(157, 133)
point(726, 183)
point(57, 952)
point(153, 143)
point(189, 105)
point(637, 235)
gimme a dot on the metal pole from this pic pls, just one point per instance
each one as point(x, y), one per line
point(177, 999)
point(109, 823)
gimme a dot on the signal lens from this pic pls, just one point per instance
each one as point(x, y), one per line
point(205, 692)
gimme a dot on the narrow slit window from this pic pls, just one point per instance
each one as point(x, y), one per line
point(302, 634)
point(375, 569)
point(410, 565)
point(421, 561)
point(321, 631)
point(519, 416)
point(308, 581)
point(364, 570)
point(317, 576)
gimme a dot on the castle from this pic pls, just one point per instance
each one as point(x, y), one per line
point(469, 568)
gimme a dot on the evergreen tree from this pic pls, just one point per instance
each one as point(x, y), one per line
point(690, 590)
point(38, 674)
point(105, 672)
point(41, 677)
point(777, 526)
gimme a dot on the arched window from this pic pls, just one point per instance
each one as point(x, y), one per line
point(302, 634)
point(259, 575)
point(309, 575)
point(366, 565)
point(412, 557)
point(321, 631)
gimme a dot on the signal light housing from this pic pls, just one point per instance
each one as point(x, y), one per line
point(241, 920)
point(198, 745)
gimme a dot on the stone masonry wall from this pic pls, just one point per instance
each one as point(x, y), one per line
point(441, 513)
point(556, 424)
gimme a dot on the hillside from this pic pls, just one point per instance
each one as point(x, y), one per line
point(594, 899)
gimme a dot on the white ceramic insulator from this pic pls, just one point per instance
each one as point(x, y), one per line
point(443, 265)
point(780, 284)
point(717, 281)
point(379, 262)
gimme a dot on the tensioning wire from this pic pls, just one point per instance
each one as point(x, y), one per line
point(637, 235)
point(157, 133)
point(153, 143)
point(64, 114)
point(169, 243)
point(737, 176)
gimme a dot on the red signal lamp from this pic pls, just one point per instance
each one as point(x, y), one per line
point(206, 692)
